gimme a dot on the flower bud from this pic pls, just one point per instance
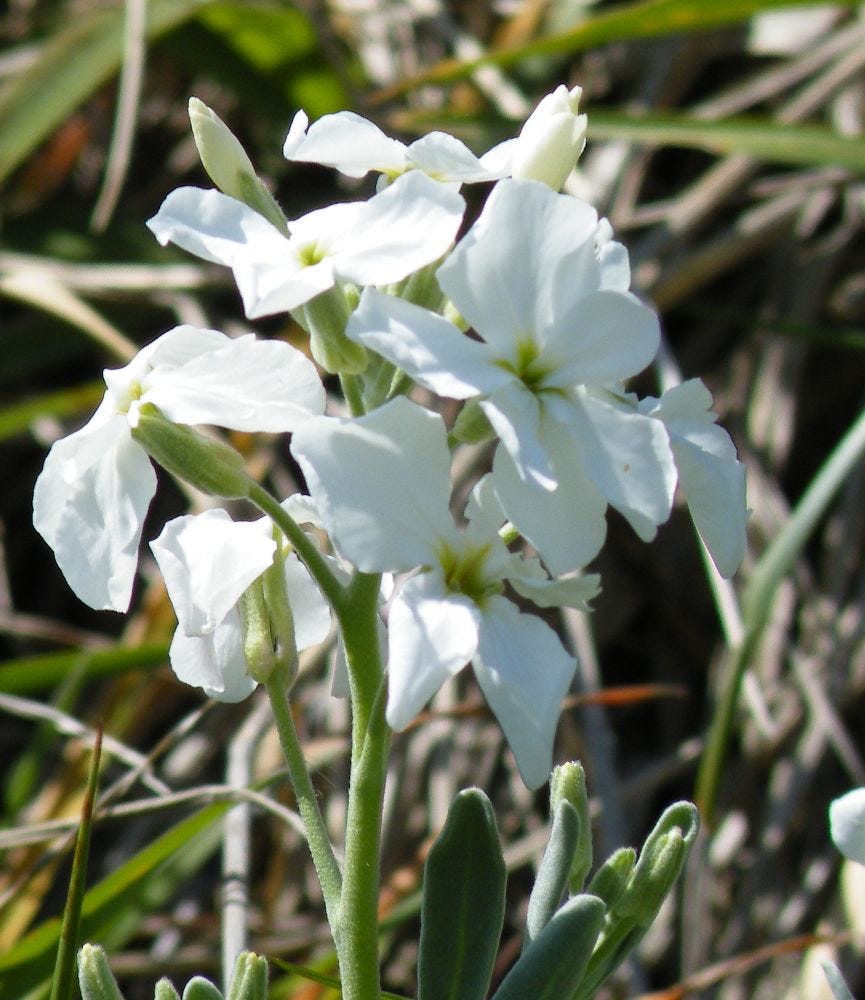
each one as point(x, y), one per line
point(249, 981)
point(611, 879)
point(325, 318)
point(200, 988)
point(257, 638)
point(227, 164)
point(165, 990)
point(568, 782)
point(94, 976)
point(205, 463)
point(552, 139)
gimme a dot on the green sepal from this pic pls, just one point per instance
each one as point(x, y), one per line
point(228, 166)
point(95, 978)
point(258, 648)
point(552, 878)
point(660, 863)
point(249, 979)
point(552, 967)
point(611, 879)
point(472, 425)
point(211, 466)
point(463, 903)
point(200, 988)
point(165, 990)
point(568, 782)
point(421, 288)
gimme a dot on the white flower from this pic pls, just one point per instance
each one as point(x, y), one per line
point(711, 477)
point(847, 824)
point(539, 280)
point(549, 144)
point(208, 561)
point(382, 484)
point(93, 493)
point(355, 146)
point(407, 226)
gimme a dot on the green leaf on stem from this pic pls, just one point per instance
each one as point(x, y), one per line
point(463, 903)
point(552, 967)
point(552, 878)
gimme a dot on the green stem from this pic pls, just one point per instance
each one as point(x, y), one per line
point(351, 389)
point(357, 935)
point(320, 847)
point(315, 562)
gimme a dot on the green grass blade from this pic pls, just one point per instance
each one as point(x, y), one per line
point(70, 66)
point(112, 909)
point(644, 19)
point(64, 968)
point(40, 673)
point(764, 140)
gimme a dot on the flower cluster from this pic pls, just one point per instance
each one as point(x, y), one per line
point(529, 319)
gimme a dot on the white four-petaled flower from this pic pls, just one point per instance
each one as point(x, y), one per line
point(94, 490)
point(381, 484)
point(207, 561)
point(400, 230)
point(545, 289)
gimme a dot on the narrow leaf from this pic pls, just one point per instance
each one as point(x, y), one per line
point(552, 967)
point(463, 903)
point(554, 869)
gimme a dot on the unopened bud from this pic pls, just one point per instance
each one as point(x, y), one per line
point(165, 990)
point(325, 318)
point(95, 978)
point(552, 139)
point(200, 988)
point(211, 466)
point(227, 164)
point(249, 981)
point(568, 782)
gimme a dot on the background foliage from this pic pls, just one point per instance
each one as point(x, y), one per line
point(726, 146)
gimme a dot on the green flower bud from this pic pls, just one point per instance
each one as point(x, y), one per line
point(94, 976)
point(653, 877)
point(324, 318)
point(227, 164)
point(611, 879)
point(200, 988)
point(165, 991)
point(257, 638)
point(209, 465)
point(568, 782)
point(249, 981)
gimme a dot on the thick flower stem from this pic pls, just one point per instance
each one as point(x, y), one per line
point(357, 929)
point(320, 848)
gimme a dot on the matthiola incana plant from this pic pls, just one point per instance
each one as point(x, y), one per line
point(529, 322)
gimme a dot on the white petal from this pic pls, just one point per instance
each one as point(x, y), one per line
point(309, 609)
point(518, 419)
point(608, 336)
point(351, 144)
point(296, 134)
point(207, 561)
point(248, 385)
point(712, 478)
point(524, 673)
point(89, 504)
point(432, 635)
point(629, 461)
point(847, 823)
point(426, 346)
point(566, 526)
point(410, 224)
point(211, 225)
point(499, 160)
point(381, 483)
point(562, 592)
point(214, 662)
point(445, 158)
point(507, 273)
